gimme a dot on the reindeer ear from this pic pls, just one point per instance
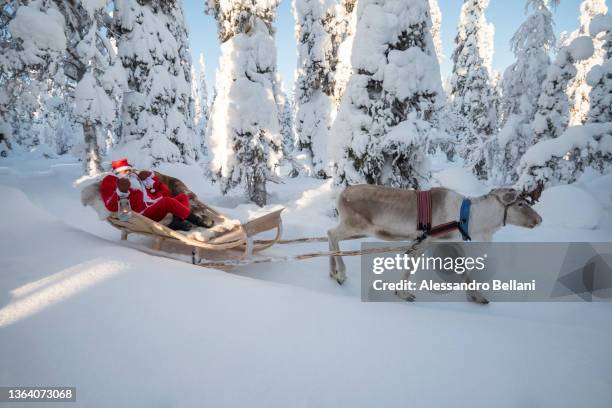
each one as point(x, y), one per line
point(506, 195)
point(509, 197)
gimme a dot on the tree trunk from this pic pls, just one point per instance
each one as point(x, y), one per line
point(91, 161)
point(257, 189)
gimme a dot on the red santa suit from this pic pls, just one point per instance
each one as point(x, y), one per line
point(149, 197)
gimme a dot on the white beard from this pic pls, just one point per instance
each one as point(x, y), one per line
point(137, 184)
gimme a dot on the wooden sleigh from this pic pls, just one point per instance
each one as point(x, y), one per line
point(240, 239)
point(237, 243)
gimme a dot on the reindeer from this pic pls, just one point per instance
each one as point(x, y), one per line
point(391, 214)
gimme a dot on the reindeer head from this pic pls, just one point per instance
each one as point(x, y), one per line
point(517, 207)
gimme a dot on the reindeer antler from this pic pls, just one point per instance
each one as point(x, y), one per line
point(534, 195)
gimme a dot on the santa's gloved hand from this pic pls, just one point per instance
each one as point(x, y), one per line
point(143, 175)
point(123, 185)
point(149, 182)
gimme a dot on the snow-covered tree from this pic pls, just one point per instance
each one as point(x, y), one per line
point(56, 124)
point(285, 108)
point(436, 28)
point(392, 98)
point(244, 129)
point(564, 159)
point(531, 43)
point(199, 93)
point(471, 90)
point(24, 107)
point(521, 87)
point(157, 109)
point(285, 119)
point(496, 88)
point(346, 21)
point(95, 91)
point(316, 32)
point(185, 102)
point(552, 116)
point(33, 41)
point(96, 72)
point(600, 76)
point(579, 89)
point(5, 139)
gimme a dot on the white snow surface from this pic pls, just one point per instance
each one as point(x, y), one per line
point(569, 206)
point(80, 307)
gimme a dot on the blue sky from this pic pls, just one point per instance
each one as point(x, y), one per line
point(506, 15)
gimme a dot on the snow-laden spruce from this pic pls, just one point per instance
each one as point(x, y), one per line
point(522, 86)
point(392, 98)
point(244, 134)
point(199, 92)
point(346, 23)
point(600, 76)
point(317, 34)
point(471, 91)
point(33, 41)
point(436, 28)
point(531, 43)
point(99, 77)
point(564, 159)
point(158, 108)
point(184, 100)
point(552, 116)
point(284, 106)
point(579, 89)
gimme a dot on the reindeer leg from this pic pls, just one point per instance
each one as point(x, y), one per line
point(332, 259)
point(337, 269)
point(417, 250)
point(405, 294)
point(474, 295)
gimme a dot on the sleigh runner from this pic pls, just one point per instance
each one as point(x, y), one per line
point(240, 238)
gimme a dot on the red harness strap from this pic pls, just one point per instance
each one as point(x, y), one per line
point(424, 210)
point(444, 228)
point(424, 219)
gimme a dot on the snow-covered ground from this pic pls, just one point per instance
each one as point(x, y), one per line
point(79, 308)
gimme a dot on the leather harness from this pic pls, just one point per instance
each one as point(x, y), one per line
point(424, 218)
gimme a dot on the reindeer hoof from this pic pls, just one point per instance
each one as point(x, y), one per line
point(338, 277)
point(478, 298)
point(405, 295)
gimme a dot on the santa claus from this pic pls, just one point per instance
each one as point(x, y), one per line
point(148, 196)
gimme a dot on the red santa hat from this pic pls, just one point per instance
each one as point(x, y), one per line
point(121, 165)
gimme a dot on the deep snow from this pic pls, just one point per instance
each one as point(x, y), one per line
point(79, 308)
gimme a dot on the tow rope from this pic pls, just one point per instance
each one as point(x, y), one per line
point(424, 218)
